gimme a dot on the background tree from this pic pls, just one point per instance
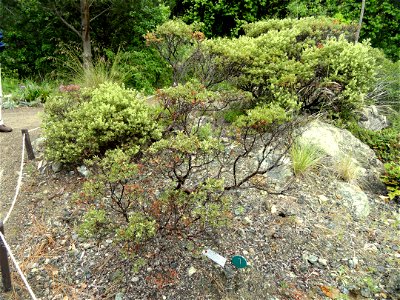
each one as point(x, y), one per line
point(35, 29)
point(225, 18)
point(380, 21)
point(360, 21)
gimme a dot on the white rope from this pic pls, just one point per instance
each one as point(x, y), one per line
point(17, 267)
point(19, 182)
point(31, 130)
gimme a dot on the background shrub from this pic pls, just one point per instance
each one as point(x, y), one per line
point(309, 64)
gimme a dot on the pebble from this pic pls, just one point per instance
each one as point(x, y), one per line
point(86, 245)
point(83, 170)
point(135, 279)
point(353, 262)
point(248, 221)
point(323, 261)
point(191, 271)
point(119, 296)
point(56, 167)
point(365, 292)
point(312, 259)
point(322, 198)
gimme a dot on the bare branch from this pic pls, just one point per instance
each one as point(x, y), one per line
point(95, 17)
point(66, 23)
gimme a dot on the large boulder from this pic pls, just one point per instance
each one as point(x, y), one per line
point(371, 119)
point(338, 143)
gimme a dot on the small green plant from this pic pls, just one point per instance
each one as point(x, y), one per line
point(392, 180)
point(93, 223)
point(231, 115)
point(305, 157)
point(31, 92)
point(139, 228)
point(347, 169)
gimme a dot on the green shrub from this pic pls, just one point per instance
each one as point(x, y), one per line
point(77, 126)
point(392, 180)
point(140, 207)
point(305, 64)
point(179, 186)
point(93, 223)
point(147, 70)
point(176, 42)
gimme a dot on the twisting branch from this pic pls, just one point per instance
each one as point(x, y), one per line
point(66, 23)
point(95, 17)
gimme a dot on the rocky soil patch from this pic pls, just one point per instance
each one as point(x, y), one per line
point(308, 243)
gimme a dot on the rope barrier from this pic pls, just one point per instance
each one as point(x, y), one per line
point(34, 129)
point(19, 182)
point(18, 268)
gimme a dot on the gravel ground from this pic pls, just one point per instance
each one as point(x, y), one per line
point(304, 244)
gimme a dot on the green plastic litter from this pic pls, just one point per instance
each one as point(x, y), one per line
point(239, 262)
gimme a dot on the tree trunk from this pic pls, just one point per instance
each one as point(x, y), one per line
point(85, 34)
point(360, 21)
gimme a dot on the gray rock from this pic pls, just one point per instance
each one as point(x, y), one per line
point(354, 198)
point(56, 166)
point(353, 262)
point(338, 143)
point(393, 283)
point(371, 119)
point(191, 271)
point(365, 292)
point(39, 144)
point(323, 261)
point(119, 296)
point(312, 259)
point(83, 171)
point(135, 279)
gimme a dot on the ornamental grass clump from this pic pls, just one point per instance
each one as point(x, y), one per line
point(305, 157)
point(347, 169)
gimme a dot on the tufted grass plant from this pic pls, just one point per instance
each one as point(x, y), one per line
point(104, 69)
point(347, 169)
point(305, 157)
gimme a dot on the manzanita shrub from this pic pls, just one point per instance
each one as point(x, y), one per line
point(180, 185)
point(78, 125)
point(309, 64)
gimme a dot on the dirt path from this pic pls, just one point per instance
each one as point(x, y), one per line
point(10, 150)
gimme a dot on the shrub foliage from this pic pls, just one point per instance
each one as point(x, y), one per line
point(79, 126)
point(180, 185)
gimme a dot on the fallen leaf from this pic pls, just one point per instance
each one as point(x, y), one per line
point(330, 292)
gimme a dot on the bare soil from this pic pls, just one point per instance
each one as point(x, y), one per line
point(10, 149)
